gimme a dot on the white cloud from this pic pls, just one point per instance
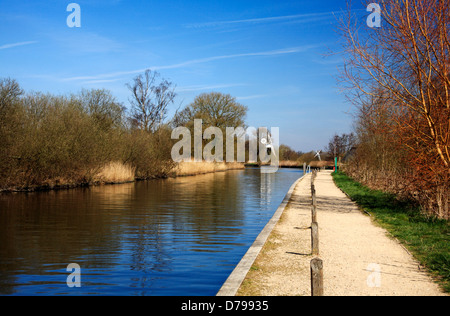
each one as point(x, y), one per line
point(298, 17)
point(17, 44)
point(286, 51)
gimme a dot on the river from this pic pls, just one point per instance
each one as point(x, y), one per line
point(172, 237)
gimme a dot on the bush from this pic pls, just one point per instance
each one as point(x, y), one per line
point(49, 140)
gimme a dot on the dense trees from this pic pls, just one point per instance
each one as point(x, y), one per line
point(398, 76)
point(289, 154)
point(50, 140)
point(54, 140)
point(340, 146)
point(214, 109)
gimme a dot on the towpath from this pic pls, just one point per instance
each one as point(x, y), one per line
point(360, 258)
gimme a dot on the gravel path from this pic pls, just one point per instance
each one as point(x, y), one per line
point(359, 257)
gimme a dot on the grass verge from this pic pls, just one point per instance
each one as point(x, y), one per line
point(428, 239)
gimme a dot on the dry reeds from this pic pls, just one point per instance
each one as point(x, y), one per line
point(290, 164)
point(195, 168)
point(115, 172)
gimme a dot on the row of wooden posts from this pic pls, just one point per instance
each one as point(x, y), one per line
point(316, 263)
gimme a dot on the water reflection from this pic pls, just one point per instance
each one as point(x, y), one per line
point(266, 188)
point(166, 237)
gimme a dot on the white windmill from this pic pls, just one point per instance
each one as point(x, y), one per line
point(269, 145)
point(318, 155)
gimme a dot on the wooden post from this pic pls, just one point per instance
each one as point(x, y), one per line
point(313, 204)
point(317, 277)
point(314, 200)
point(313, 195)
point(315, 238)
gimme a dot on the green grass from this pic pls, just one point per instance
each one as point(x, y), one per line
point(428, 239)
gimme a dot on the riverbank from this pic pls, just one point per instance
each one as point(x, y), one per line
point(184, 169)
point(117, 173)
point(353, 249)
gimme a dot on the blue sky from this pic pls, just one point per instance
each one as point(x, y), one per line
point(271, 55)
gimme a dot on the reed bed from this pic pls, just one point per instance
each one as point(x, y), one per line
point(290, 164)
point(196, 168)
point(116, 172)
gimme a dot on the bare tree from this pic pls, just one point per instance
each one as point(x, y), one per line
point(340, 146)
point(405, 64)
point(9, 91)
point(102, 106)
point(151, 98)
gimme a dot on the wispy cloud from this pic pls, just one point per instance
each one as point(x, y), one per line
point(17, 44)
point(298, 17)
point(286, 51)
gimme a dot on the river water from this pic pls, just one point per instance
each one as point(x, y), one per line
point(173, 237)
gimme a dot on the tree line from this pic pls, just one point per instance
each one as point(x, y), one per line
point(53, 140)
point(398, 76)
